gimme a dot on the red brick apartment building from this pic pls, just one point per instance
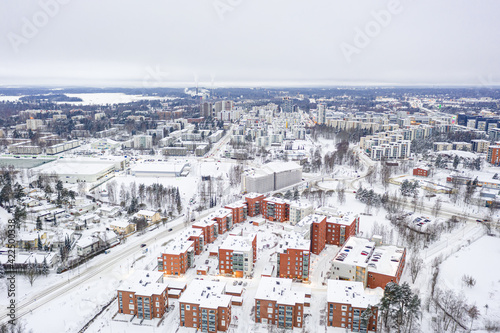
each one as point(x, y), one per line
point(210, 229)
point(346, 302)
point(277, 304)
point(143, 295)
point(224, 219)
point(275, 209)
point(395, 259)
point(340, 229)
point(205, 306)
point(318, 232)
point(421, 172)
point(254, 203)
point(237, 255)
point(196, 236)
point(177, 257)
point(239, 211)
point(293, 257)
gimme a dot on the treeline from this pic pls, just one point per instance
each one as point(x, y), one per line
point(133, 197)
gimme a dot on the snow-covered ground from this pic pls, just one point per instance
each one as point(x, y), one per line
point(479, 260)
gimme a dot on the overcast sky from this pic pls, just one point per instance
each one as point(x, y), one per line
point(249, 42)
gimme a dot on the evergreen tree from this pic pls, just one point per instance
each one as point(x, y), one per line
point(288, 195)
point(19, 216)
point(456, 160)
point(178, 201)
point(45, 267)
point(296, 195)
point(477, 163)
point(39, 224)
point(39, 243)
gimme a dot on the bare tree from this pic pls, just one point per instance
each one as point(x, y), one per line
point(416, 264)
point(340, 194)
point(82, 187)
point(32, 272)
point(437, 207)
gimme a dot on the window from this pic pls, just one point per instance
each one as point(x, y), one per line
point(343, 313)
point(131, 306)
point(194, 319)
point(157, 304)
point(223, 322)
point(344, 307)
point(187, 307)
point(299, 319)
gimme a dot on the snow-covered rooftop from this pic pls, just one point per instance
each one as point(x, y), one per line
point(281, 166)
point(293, 240)
point(144, 212)
point(238, 243)
point(386, 259)
point(237, 204)
point(178, 246)
point(353, 293)
point(207, 294)
point(252, 195)
point(353, 252)
point(145, 283)
point(279, 290)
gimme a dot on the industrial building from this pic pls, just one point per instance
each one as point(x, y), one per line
point(271, 177)
point(160, 169)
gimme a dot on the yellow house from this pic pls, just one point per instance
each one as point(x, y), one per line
point(123, 227)
point(29, 240)
point(150, 216)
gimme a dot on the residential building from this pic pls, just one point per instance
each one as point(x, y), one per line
point(493, 154)
point(210, 229)
point(340, 228)
point(421, 171)
point(293, 256)
point(33, 124)
point(370, 262)
point(122, 227)
point(277, 303)
point(275, 209)
point(150, 216)
point(321, 114)
point(237, 255)
point(205, 306)
point(239, 211)
point(143, 142)
point(440, 146)
point(347, 301)
point(177, 257)
point(254, 203)
point(299, 210)
point(480, 146)
point(224, 219)
point(143, 295)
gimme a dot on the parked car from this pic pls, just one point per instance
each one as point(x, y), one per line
point(143, 245)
